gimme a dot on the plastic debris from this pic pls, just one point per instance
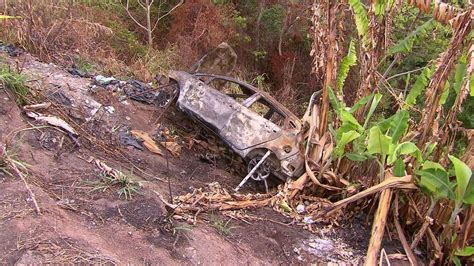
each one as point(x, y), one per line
point(104, 81)
point(54, 121)
point(148, 142)
point(145, 93)
point(76, 72)
point(36, 107)
point(308, 220)
point(11, 50)
point(300, 208)
point(127, 139)
point(109, 109)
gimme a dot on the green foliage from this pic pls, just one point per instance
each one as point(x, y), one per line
point(378, 143)
point(382, 5)
point(435, 182)
point(347, 62)
point(419, 86)
point(463, 176)
point(272, 18)
point(399, 125)
point(405, 45)
point(127, 186)
point(126, 42)
point(360, 103)
point(465, 252)
point(259, 55)
point(14, 82)
point(220, 225)
point(360, 16)
point(240, 21)
point(405, 148)
point(345, 139)
point(84, 65)
point(373, 106)
point(466, 116)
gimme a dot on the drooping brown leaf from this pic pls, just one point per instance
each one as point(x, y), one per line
point(443, 68)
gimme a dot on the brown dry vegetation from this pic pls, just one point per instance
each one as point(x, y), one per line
point(271, 40)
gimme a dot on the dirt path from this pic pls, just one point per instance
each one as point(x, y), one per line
point(84, 222)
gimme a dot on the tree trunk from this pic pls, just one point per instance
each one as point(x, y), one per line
point(331, 55)
point(148, 24)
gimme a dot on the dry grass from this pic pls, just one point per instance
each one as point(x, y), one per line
point(71, 32)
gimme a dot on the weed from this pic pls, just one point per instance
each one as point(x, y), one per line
point(125, 183)
point(15, 83)
point(84, 65)
point(221, 226)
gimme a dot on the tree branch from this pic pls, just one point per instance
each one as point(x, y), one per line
point(131, 16)
point(166, 14)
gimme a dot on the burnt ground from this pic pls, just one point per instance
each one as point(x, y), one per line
point(82, 221)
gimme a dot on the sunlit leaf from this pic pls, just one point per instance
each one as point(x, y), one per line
point(360, 103)
point(360, 16)
point(347, 62)
point(463, 175)
point(420, 84)
point(399, 125)
point(405, 45)
point(465, 252)
point(432, 165)
point(399, 168)
point(405, 148)
point(436, 181)
point(346, 138)
point(378, 143)
point(347, 117)
point(373, 106)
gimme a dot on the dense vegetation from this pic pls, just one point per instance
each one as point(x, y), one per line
point(396, 78)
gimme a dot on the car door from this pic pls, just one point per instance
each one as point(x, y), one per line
point(246, 128)
point(211, 107)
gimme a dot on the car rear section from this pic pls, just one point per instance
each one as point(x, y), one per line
point(246, 132)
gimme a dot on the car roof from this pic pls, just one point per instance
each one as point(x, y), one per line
point(265, 96)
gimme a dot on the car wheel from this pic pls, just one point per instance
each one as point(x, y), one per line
point(264, 172)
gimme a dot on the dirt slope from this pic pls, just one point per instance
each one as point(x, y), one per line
point(82, 222)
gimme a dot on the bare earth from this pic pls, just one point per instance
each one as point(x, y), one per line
point(81, 225)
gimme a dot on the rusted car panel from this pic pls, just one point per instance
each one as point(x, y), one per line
point(246, 132)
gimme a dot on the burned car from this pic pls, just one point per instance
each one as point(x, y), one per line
point(247, 119)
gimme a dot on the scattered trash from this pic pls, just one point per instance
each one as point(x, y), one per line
point(145, 93)
point(173, 147)
point(11, 50)
point(58, 96)
point(109, 109)
point(104, 81)
point(308, 220)
point(300, 208)
point(54, 121)
point(127, 139)
point(36, 107)
point(76, 72)
point(148, 142)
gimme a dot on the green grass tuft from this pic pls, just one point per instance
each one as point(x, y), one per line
point(15, 83)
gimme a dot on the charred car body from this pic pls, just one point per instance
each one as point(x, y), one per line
point(247, 119)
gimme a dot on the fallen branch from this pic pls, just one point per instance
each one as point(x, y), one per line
point(378, 228)
point(12, 165)
point(392, 182)
point(401, 235)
